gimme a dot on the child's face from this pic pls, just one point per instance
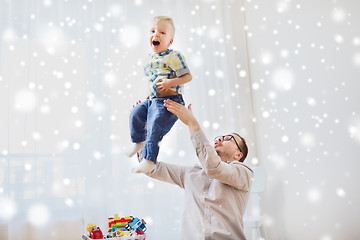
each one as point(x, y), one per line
point(161, 36)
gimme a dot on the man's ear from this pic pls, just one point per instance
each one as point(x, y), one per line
point(239, 156)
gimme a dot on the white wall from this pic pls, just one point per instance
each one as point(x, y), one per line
point(305, 75)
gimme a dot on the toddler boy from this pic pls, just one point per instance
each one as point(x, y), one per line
point(167, 73)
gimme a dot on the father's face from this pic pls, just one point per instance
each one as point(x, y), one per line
point(226, 147)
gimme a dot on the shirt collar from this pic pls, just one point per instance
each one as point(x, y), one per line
point(164, 53)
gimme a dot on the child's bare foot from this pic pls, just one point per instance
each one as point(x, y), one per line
point(145, 166)
point(136, 148)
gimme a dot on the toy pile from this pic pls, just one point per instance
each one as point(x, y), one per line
point(126, 228)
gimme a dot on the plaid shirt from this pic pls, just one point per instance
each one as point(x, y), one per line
point(165, 65)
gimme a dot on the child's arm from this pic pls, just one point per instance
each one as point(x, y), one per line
point(164, 84)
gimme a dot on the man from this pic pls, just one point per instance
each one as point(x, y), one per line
point(216, 192)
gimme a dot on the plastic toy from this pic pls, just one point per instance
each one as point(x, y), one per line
point(94, 232)
point(137, 225)
point(117, 223)
point(125, 228)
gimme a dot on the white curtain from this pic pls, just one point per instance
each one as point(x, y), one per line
point(70, 72)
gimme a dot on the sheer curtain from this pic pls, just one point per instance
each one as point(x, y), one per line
point(70, 72)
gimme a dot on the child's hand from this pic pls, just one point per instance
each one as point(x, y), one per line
point(163, 84)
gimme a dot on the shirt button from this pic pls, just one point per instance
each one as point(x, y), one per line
point(206, 221)
point(204, 193)
point(209, 179)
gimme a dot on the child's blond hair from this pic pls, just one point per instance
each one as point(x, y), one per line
point(165, 19)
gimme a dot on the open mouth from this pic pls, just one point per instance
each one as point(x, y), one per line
point(156, 43)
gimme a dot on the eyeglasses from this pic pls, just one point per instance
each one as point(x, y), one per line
point(227, 138)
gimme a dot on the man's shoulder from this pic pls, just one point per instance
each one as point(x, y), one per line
point(241, 165)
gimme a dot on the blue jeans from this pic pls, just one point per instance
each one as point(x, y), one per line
point(159, 122)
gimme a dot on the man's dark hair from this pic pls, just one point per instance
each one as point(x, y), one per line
point(243, 146)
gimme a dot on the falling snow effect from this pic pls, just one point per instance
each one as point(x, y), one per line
point(313, 195)
point(132, 31)
point(38, 215)
point(308, 140)
point(356, 59)
point(69, 78)
point(7, 208)
point(354, 130)
point(283, 79)
point(25, 100)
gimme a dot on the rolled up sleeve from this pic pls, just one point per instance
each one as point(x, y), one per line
point(170, 173)
point(178, 64)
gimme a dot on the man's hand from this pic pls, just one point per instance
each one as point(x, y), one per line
point(163, 84)
point(183, 113)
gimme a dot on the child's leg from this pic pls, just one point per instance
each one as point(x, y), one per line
point(159, 121)
point(158, 126)
point(138, 118)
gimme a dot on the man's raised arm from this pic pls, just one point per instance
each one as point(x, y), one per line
point(236, 175)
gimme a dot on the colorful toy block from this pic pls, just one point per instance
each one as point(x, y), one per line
point(94, 232)
point(119, 228)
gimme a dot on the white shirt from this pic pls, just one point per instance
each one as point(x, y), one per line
point(216, 193)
